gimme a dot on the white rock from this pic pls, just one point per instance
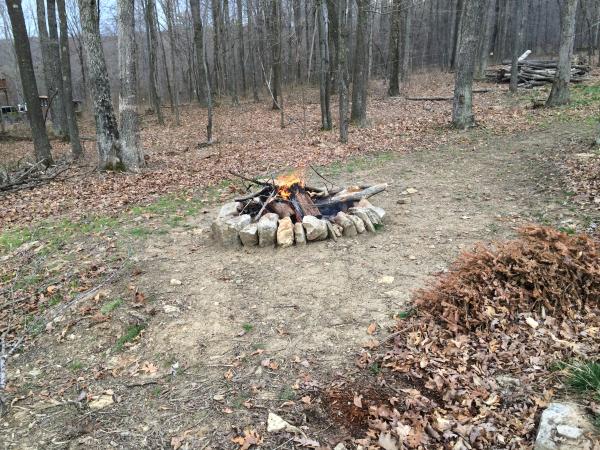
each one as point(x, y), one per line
point(340, 446)
point(249, 235)
point(358, 223)
point(102, 401)
point(365, 217)
point(229, 210)
point(316, 229)
point(175, 282)
point(347, 224)
point(299, 234)
point(563, 426)
point(225, 233)
point(412, 191)
point(569, 432)
point(275, 423)
point(171, 309)
point(267, 229)
point(285, 232)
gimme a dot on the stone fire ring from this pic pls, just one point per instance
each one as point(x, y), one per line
point(232, 229)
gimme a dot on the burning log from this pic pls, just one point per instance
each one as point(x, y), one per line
point(345, 197)
point(281, 208)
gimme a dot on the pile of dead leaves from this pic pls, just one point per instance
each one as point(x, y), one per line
point(480, 352)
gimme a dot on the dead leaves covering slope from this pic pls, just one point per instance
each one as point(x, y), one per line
point(483, 345)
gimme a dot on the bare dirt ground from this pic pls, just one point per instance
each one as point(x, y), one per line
point(229, 335)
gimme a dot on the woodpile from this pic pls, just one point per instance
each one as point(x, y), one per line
point(285, 210)
point(535, 72)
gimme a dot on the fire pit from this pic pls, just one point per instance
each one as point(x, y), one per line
point(285, 210)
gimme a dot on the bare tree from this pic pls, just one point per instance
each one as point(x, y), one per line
point(199, 47)
point(132, 156)
point(359, 79)
point(406, 27)
point(560, 95)
point(152, 42)
point(107, 131)
point(275, 43)
point(65, 61)
point(168, 10)
point(517, 16)
point(462, 107)
point(394, 49)
point(54, 51)
point(324, 89)
point(240, 41)
point(34, 111)
point(342, 52)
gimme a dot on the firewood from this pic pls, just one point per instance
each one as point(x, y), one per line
point(251, 195)
point(306, 204)
point(353, 196)
point(281, 208)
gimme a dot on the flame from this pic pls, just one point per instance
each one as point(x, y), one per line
point(285, 182)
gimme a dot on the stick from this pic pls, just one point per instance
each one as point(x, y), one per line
point(353, 196)
point(251, 195)
point(250, 180)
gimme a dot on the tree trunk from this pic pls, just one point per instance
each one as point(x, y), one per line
point(462, 108)
point(359, 76)
point(488, 29)
point(342, 52)
point(152, 40)
point(132, 156)
point(332, 31)
point(517, 8)
point(394, 49)
point(407, 6)
point(297, 37)
point(456, 35)
point(50, 77)
point(230, 56)
point(107, 132)
point(41, 144)
point(275, 33)
point(253, 49)
point(560, 95)
point(241, 52)
point(218, 65)
point(324, 90)
point(173, 59)
point(199, 47)
point(65, 61)
point(54, 51)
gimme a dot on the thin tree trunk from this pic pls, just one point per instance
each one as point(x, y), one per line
point(107, 132)
point(41, 144)
point(241, 52)
point(166, 67)
point(407, 6)
point(173, 59)
point(324, 90)
point(484, 52)
point(209, 103)
point(54, 51)
point(253, 49)
point(359, 78)
point(462, 107)
point(199, 47)
point(517, 10)
point(342, 52)
point(394, 49)
point(152, 40)
point(65, 60)
point(456, 35)
point(132, 156)
point(560, 95)
point(230, 56)
point(275, 37)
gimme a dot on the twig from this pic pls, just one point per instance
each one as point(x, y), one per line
point(251, 180)
point(322, 177)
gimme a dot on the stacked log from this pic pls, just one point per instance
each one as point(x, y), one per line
point(535, 72)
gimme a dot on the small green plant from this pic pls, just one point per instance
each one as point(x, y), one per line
point(584, 377)
point(248, 327)
point(130, 334)
point(569, 230)
point(259, 346)
point(55, 300)
point(557, 366)
point(375, 368)
point(287, 394)
point(75, 365)
point(157, 391)
point(109, 307)
point(406, 313)
point(140, 231)
point(35, 325)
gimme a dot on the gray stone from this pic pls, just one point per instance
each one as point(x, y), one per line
point(365, 217)
point(316, 229)
point(347, 224)
point(225, 233)
point(564, 426)
point(337, 229)
point(229, 210)
point(249, 235)
point(299, 234)
point(376, 214)
point(569, 432)
point(331, 231)
point(285, 233)
point(267, 229)
point(239, 222)
point(358, 223)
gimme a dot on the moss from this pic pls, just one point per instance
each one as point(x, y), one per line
point(131, 333)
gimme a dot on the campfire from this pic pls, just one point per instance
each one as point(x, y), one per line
point(285, 210)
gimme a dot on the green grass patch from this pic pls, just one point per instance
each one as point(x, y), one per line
point(109, 307)
point(569, 230)
point(375, 368)
point(287, 394)
point(584, 377)
point(248, 327)
point(406, 313)
point(131, 333)
point(585, 95)
point(75, 365)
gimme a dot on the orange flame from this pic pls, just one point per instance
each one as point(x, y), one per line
point(286, 182)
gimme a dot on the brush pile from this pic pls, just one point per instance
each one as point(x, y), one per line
point(536, 73)
point(478, 355)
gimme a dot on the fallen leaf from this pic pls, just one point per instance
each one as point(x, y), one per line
point(372, 328)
